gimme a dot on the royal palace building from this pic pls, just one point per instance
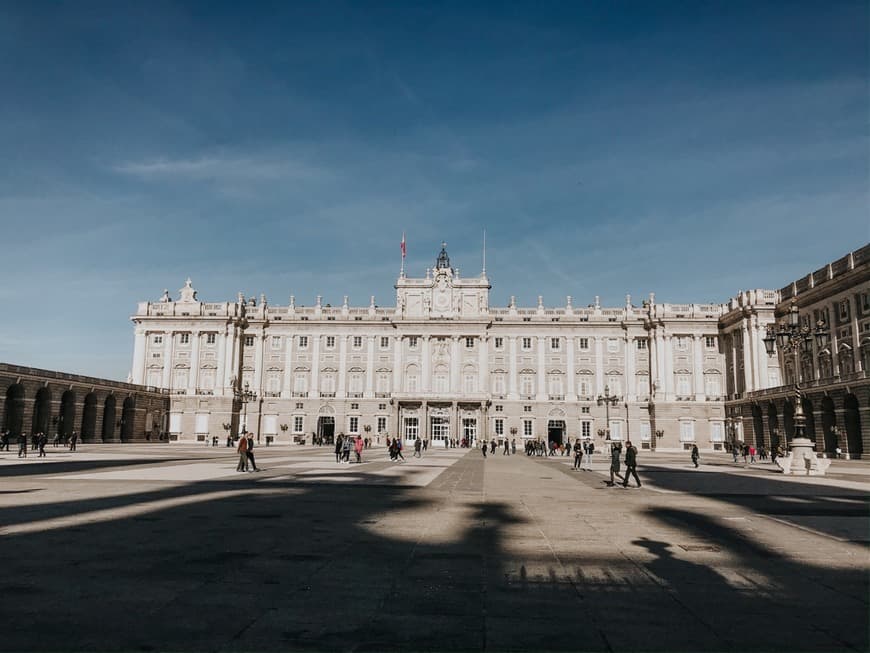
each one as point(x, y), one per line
point(445, 364)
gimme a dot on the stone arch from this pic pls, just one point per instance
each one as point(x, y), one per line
point(829, 421)
point(128, 419)
point(773, 425)
point(66, 421)
point(852, 424)
point(758, 425)
point(13, 409)
point(89, 418)
point(109, 419)
point(810, 425)
point(788, 419)
point(41, 411)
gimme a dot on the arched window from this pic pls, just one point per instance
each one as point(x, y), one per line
point(712, 384)
point(441, 379)
point(498, 383)
point(412, 378)
point(469, 379)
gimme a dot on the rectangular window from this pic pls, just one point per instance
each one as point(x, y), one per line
point(528, 428)
point(712, 386)
point(298, 423)
point(710, 342)
point(616, 431)
point(385, 342)
point(357, 342)
point(684, 385)
point(412, 428)
point(645, 432)
point(844, 309)
point(687, 431)
point(585, 388)
point(330, 342)
point(382, 406)
point(641, 344)
point(303, 342)
point(527, 386)
point(469, 343)
point(612, 345)
point(210, 338)
point(527, 344)
point(499, 426)
point(586, 429)
point(353, 425)
point(498, 384)
point(412, 342)
point(469, 383)
point(185, 338)
point(717, 432)
point(299, 405)
point(499, 343)
point(382, 424)
point(276, 342)
point(585, 410)
point(249, 341)
point(499, 408)
point(354, 406)
point(583, 343)
point(681, 343)
point(158, 340)
point(527, 409)
point(555, 343)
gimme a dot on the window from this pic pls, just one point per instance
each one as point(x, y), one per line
point(612, 345)
point(210, 338)
point(413, 381)
point(499, 426)
point(383, 383)
point(353, 425)
point(586, 428)
point(382, 424)
point(555, 343)
point(528, 428)
point(687, 431)
point(412, 428)
point(844, 309)
point(717, 432)
point(615, 383)
point(712, 386)
point(355, 383)
point(710, 342)
point(643, 385)
point(469, 343)
point(185, 338)
point(527, 344)
point(641, 344)
point(556, 386)
point(865, 302)
point(616, 431)
point(249, 341)
point(357, 342)
point(299, 405)
point(385, 342)
point(645, 432)
point(498, 384)
point(585, 410)
point(583, 343)
point(382, 406)
point(298, 423)
point(412, 342)
point(469, 383)
point(158, 340)
point(276, 342)
point(527, 385)
point(300, 383)
point(527, 409)
point(330, 342)
point(681, 343)
point(441, 381)
point(684, 385)
point(354, 406)
point(327, 383)
point(585, 388)
point(499, 343)
point(499, 408)
point(303, 342)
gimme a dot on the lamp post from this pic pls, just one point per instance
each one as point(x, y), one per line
point(607, 399)
point(792, 338)
point(246, 395)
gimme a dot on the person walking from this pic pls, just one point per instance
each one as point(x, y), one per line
point(399, 450)
point(22, 445)
point(484, 448)
point(418, 448)
point(43, 440)
point(587, 456)
point(751, 454)
point(346, 446)
point(615, 451)
point(249, 452)
point(695, 455)
point(358, 447)
point(4, 441)
point(242, 450)
point(630, 463)
point(338, 443)
point(513, 446)
point(74, 438)
point(578, 453)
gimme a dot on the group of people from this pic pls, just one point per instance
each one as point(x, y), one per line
point(37, 442)
point(343, 446)
point(630, 463)
point(583, 451)
point(245, 449)
point(750, 454)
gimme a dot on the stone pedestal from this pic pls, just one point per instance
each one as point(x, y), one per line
point(802, 459)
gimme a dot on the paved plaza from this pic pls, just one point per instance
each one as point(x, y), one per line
point(167, 547)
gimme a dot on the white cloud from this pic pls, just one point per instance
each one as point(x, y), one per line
point(223, 168)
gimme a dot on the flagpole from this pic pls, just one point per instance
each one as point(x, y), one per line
point(484, 252)
point(402, 270)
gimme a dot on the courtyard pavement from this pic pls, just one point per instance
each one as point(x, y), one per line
point(166, 547)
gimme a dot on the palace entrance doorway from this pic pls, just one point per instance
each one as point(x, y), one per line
point(556, 431)
point(326, 428)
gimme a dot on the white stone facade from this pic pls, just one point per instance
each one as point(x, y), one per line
point(440, 363)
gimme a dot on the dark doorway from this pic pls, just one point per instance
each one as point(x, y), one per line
point(89, 418)
point(829, 421)
point(41, 411)
point(556, 431)
point(773, 425)
point(852, 420)
point(128, 419)
point(326, 429)
point(66, 420)
point(788, 419)
point(109, 419)
point(13, 409)
point(758, 425)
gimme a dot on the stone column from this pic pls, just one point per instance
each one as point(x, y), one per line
point(193, 379)
point(397, 364)
point(220, 343)
point(287, 383)
point(542, 369)
point(427, 365)
point(698, 367)
point(599, 365)
point(455, 353)
point(257, 384)
point(314, 390)
point(630, 378)
point(756, 353)
point(669, 367)
point(139, 347)
point(512, 374)
point(483, 364)
point(168, 346)
point(570, 390)
point(341, 391)
point(763, 372)
point(369, 391)
point(652, 352)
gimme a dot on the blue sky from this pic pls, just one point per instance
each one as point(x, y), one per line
point(690, 149)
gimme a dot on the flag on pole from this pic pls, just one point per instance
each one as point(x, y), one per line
point(404, 251)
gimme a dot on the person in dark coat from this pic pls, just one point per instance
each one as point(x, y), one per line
point(630, 463)
point(695, 455)
point(249, 452)
point(615, 451)
point(43, 440)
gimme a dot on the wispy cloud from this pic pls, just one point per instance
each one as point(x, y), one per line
point(224, 168)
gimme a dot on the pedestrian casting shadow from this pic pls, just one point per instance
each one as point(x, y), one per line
point(292, 565)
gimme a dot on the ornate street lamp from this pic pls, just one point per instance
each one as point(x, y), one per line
point(792, 338)
point(607, 399)
point(245, 396)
